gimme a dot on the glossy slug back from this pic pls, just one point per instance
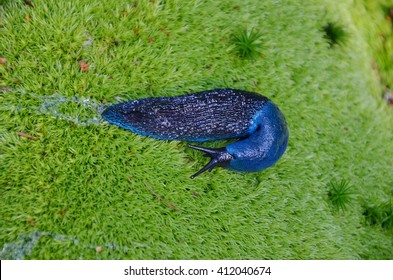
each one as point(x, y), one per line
point(211, 115)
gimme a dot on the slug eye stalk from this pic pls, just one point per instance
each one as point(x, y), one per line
point(219, 157)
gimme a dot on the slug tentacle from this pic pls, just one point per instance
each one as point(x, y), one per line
point(211, 115)
point(219, 157)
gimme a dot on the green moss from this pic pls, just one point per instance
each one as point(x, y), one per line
point(247, 43)
point(381, 215)
point(335, 34)
point(82, 182)
point(340, 195)
point(379, 36)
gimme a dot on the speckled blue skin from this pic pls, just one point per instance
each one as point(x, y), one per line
point(211, 115)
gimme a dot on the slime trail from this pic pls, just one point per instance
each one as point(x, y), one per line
point(23, 246)
point(81, 111)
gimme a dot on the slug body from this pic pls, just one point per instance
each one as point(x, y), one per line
point(211, 115)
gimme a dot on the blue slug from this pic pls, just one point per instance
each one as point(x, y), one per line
point(211, 115)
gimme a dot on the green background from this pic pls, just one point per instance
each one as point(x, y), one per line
point(80, 188)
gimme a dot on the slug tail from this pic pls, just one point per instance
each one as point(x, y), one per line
point(219, 157)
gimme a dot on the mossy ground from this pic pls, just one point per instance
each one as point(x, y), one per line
point(79, 187)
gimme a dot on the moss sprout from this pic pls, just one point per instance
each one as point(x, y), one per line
point(247, 43)
point(335, 34)
point(381, 214)
point(340, 194)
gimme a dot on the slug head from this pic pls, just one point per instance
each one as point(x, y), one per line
point(219, 157)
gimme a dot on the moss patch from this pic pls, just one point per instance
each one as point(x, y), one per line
point(80, 183)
